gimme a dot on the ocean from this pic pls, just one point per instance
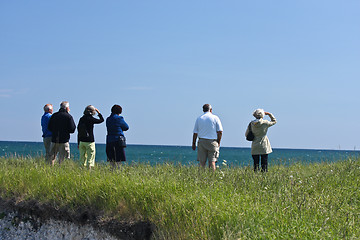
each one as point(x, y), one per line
point(152, 154)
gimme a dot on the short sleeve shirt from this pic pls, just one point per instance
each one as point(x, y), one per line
point(207, 126)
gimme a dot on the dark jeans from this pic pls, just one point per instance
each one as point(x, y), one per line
point(264, 162)
point(115, 152)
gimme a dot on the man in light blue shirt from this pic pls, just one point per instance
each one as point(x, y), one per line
point(48, 110)
point(209, 130)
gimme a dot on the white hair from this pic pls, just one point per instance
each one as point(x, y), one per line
point(48, 107)
point(259, 113)
point(64, 105)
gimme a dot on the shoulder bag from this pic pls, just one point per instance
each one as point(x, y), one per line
point(250, 136)
point(122, 141)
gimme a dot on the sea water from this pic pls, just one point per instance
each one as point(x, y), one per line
point(152, 154)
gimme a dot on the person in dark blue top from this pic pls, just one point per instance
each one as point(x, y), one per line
point(47, 134)
point(115, 139)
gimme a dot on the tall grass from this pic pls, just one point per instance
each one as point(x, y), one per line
point(317, 201)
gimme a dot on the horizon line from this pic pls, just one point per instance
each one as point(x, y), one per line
point(174, 145)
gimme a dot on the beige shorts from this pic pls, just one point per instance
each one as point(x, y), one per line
point(208, 149)
point(63, 149)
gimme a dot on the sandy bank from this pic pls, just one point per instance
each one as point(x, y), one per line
point(33, 220)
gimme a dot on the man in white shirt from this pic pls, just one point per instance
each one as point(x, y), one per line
point(209, 130)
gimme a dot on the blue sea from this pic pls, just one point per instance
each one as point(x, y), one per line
point(184, 155)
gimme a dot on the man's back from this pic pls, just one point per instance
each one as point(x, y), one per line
point(61, 124)
point(207, 126)
point(209, 130)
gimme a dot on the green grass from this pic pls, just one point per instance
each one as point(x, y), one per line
point(317, 201)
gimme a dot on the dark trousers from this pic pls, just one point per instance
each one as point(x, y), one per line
point(115, 152)
point(264, 162)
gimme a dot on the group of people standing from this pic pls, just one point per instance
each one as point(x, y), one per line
point(207, 132)
point(57, 128)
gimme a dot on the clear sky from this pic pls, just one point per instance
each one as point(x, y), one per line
point(162, 60)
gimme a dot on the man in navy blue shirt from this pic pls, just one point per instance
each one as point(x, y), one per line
point(48, 110)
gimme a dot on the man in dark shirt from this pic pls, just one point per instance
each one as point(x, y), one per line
point(61, 125)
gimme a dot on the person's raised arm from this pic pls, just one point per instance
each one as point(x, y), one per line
point(101, 118)
point(273, 119)
point(124, 126)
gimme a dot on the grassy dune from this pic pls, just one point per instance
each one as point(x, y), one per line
point(317, 201)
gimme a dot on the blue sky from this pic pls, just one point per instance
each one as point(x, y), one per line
point(162, 60)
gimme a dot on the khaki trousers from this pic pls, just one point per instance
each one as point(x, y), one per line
point(47, 145)
point(63, 149)
point(208, 149)
point(87, 153)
